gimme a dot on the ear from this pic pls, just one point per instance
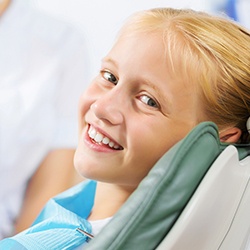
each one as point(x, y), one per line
point(230, 135)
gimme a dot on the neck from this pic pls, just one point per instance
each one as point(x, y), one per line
point(108, 199)
point(4, 5)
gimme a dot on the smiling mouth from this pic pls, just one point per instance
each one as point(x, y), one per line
point(99, 138)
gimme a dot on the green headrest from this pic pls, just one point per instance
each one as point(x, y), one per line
point(150, 212)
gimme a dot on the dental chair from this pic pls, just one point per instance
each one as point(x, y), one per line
point(196, 197)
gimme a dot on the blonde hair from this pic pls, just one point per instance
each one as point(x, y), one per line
point(212, 51)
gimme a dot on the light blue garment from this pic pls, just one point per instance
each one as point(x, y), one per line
point(55, 227)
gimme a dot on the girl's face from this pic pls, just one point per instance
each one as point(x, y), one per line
point(132, 113)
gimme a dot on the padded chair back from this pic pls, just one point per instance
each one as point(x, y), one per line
point(147, 218)
point(217, 216)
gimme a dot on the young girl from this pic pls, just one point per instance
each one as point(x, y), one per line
point(168, 71)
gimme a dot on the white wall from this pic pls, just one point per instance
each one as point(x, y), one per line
point(99, 20)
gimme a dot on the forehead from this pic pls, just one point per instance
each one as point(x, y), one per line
point(156, 51)
point(165, 46)
point(140, 50)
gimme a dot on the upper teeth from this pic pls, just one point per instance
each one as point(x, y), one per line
point(100, 138)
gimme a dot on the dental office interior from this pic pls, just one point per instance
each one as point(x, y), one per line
point(98, 22)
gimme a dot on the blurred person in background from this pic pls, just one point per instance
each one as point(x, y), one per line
point(237, 10)
point(42, 72)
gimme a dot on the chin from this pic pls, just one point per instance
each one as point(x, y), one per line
point(84, 167)
point(78, 161)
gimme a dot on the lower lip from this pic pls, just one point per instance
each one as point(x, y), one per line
point(97, 147)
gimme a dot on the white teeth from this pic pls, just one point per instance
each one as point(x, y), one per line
point(105, 140)
point(92, 133)
point(99, 138)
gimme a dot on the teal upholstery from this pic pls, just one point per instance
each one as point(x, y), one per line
point(150, 212)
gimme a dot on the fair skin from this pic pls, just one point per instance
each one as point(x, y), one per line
point(4, 5)
point(138, 105)
point(230, 135)
point(55, 174)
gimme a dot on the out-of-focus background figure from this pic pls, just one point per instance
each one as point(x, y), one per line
point(43, 68)
point(237, 10)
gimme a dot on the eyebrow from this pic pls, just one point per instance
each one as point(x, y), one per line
point(109, 60)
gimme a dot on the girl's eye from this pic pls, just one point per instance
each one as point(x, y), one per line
point(110, 77)
point(149, 101)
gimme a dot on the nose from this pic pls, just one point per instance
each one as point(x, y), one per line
point(109, 107)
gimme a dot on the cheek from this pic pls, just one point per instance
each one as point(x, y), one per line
point(86, 100)
point(83, 104)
